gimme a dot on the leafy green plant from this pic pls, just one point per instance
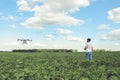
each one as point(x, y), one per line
point(59, 66)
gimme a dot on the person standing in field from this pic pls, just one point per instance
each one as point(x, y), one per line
point(89, 48)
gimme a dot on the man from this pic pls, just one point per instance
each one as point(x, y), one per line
point(89, 49)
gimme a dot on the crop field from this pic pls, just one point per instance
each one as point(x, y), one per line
point(59, 66)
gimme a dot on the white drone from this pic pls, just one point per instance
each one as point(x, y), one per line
point(24, 41)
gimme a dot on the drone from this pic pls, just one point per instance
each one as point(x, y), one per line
point(24, 41)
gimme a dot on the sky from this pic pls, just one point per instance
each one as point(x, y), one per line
point(60, 24)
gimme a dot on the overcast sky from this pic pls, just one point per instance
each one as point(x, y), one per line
point(63, 24)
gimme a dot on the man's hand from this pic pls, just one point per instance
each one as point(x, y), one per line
point(85, 48)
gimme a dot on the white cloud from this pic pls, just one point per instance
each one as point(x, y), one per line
point(11, 44)
point(72, 38)
point(51, 12)
point(103, 26)
point(54, 5)
point(117, 44)
point(47, 19)
point(107, 46)
point(104, 37)
point(16, 45)
point(12, 26)
point(3, 17)
point(49, 37)
point(112, 35)
point(92, 1)
point(37, 44)
point(9, 18)
point(114, 15)
point(63, 31)
point(23, 5)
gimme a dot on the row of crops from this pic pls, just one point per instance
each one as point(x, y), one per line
point(59, 66)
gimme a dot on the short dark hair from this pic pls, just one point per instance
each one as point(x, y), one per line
point(88, 39)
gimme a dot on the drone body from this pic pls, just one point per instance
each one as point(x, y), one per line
point(24, 41)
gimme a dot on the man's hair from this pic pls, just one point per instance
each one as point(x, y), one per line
point(88, 39)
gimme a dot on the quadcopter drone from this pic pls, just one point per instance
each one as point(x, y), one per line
point(24, 41)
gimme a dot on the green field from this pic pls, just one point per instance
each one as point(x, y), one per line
point(59, 66)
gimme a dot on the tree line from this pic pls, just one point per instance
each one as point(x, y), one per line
point(44, 50)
